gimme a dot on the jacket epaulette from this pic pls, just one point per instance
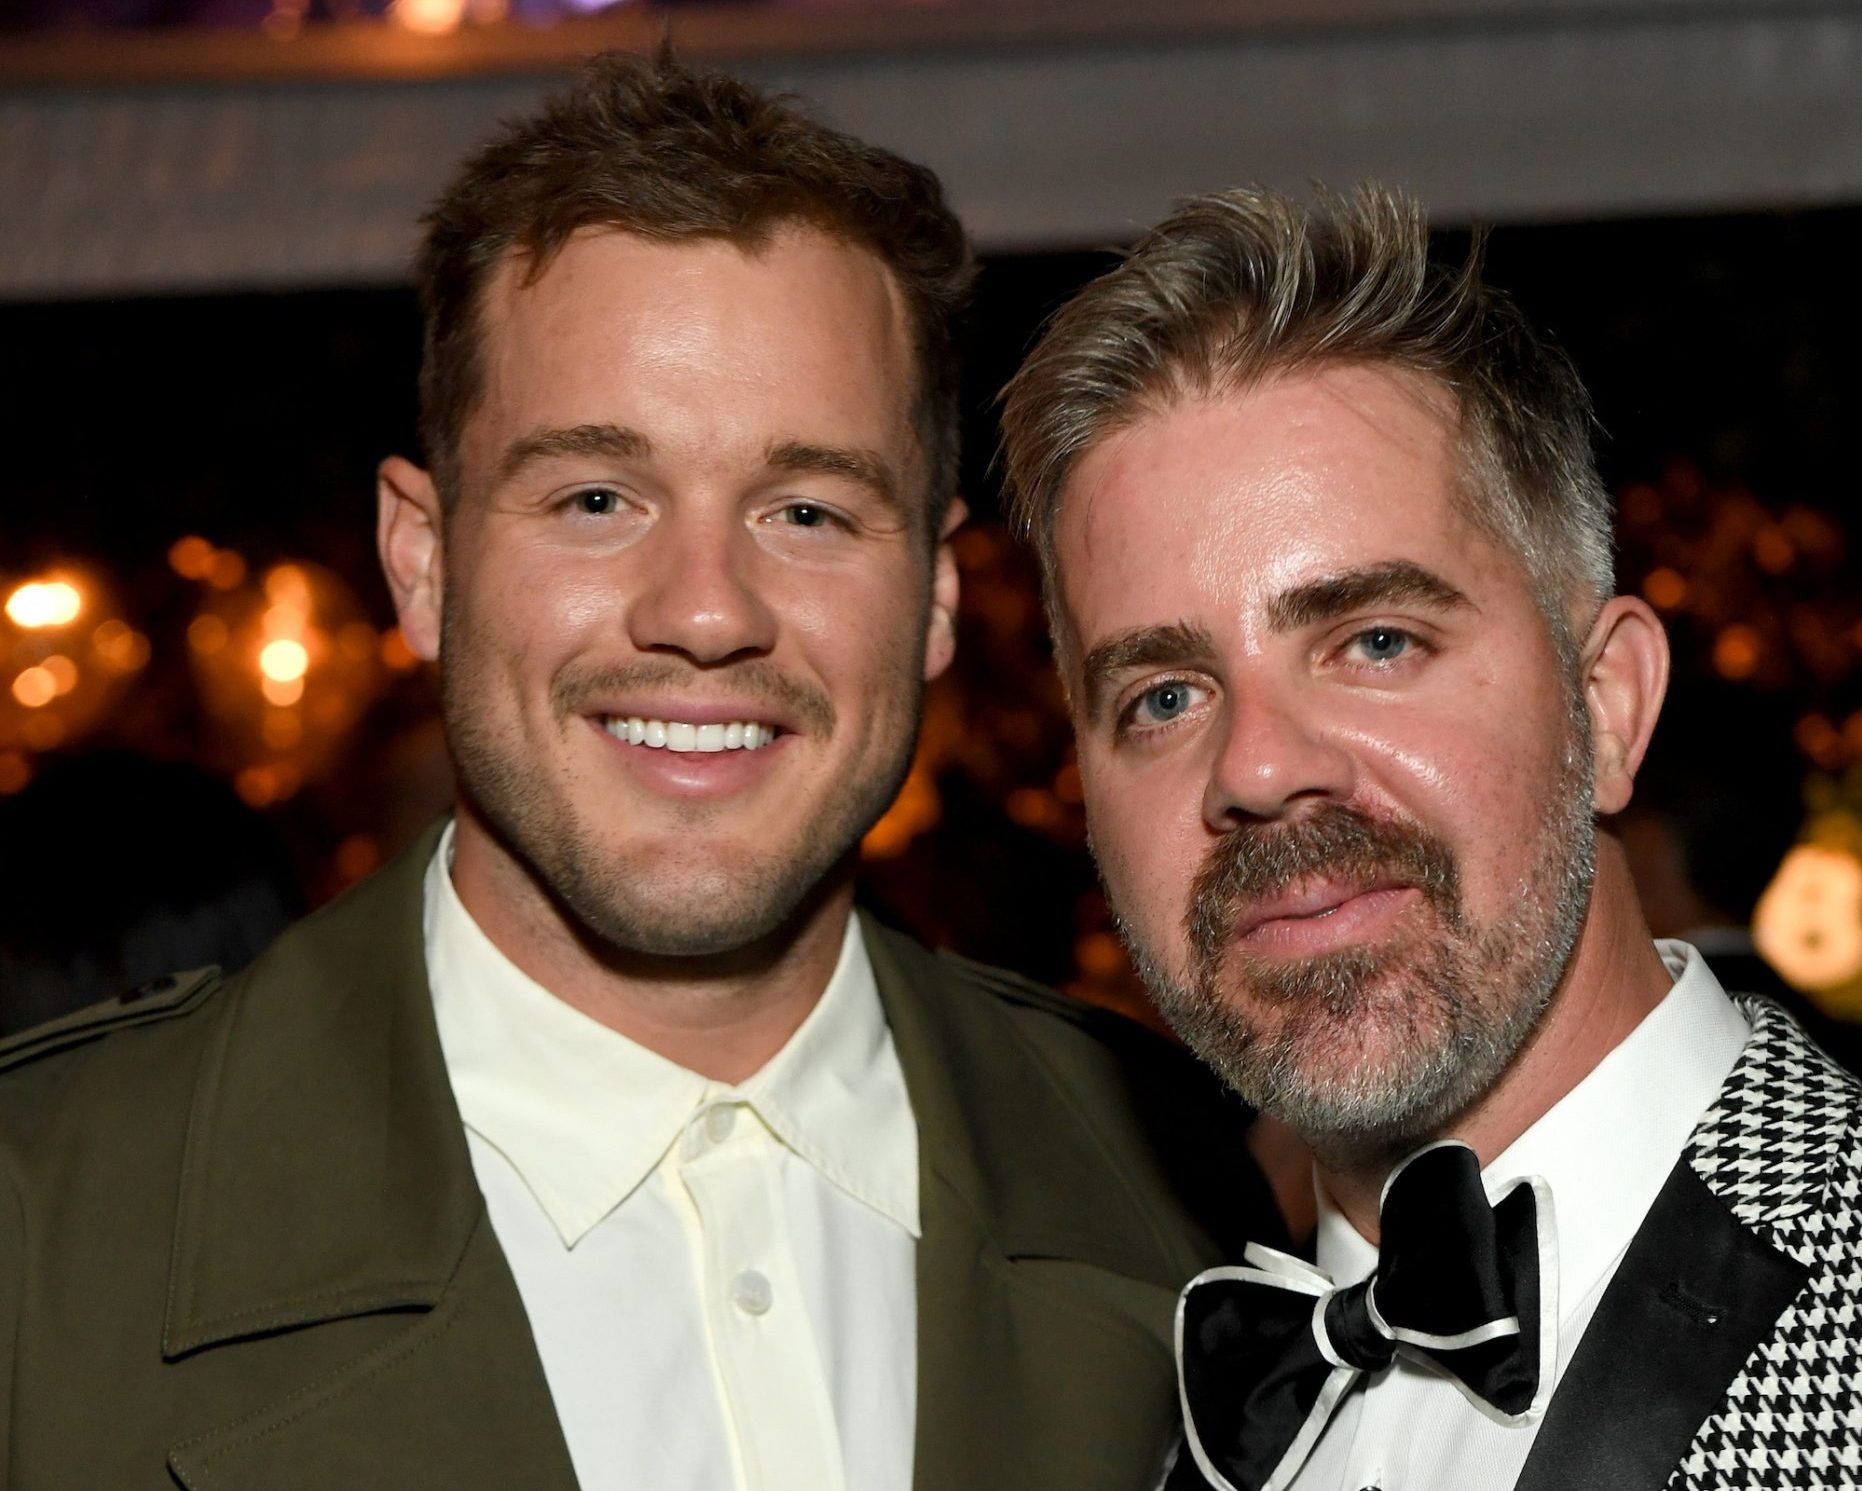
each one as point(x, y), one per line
point(159, 999)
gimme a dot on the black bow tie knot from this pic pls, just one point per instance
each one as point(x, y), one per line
point(1266, 1352)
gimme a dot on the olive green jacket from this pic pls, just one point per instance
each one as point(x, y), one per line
point(242, 1247)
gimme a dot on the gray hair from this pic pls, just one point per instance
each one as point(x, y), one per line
point(1237, 286)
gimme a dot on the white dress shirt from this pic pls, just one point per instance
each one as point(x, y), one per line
point(1606, 1150)
point(720, 1279)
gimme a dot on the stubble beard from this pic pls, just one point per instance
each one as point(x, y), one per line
point(662, 909)
point(1369, 1051)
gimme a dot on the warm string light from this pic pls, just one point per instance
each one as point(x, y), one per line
point(286, 667)
point(64, 659)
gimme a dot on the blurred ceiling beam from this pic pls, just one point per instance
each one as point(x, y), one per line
point(200, 161)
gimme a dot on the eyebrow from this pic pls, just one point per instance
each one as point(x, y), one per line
point(1397, 582)
point(867, 467)
point(1146, 647)
point(576, 440)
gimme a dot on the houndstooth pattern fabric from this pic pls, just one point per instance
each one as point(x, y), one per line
point(1782, 1148)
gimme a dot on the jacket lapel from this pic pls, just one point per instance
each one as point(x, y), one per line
point(1728, 1245)
point(327, 1190)
point(1043, 1312)
point(1694, 1295)
point(454, 1398)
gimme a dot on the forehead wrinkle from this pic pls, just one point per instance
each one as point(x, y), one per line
point(1143, 647)
point(1395, 582)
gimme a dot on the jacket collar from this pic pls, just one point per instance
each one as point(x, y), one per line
point(1005, 1134)
point(323, 1079)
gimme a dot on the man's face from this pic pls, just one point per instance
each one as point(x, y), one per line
point(1337, 774)
point(687, 582)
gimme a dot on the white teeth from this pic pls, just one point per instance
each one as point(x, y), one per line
point(682, 735)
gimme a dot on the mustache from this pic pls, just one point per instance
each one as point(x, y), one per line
point(754, 680)
point(1251, 864)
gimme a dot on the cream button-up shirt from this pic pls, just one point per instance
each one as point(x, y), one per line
point(720, 1279)
point(1605, 1149)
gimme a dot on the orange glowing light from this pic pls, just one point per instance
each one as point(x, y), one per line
point(206, 634)
point(284, 620)
point(226, 570)
point(44, 731)
point(282, 692)
point(428, 17)
point(43, 603)
point(1067, 785)
point(357, 641)
point(35, 687)
point(283, 728)
point(15, 772)
point(288, 585)
point(1034, 807)
point(1820, 740)
point(62, 671)
point(357, 856)
point(284, 659)
point(1736, 651)
point(1099, 955)
point(1808, 924)
point(395, 652)
point(1773, 549)
point(191, 557)
point(1664, 589)
point(120, 645)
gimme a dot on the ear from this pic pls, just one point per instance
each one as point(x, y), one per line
point(1625, 674)
point(941, 633)
point(409, 534)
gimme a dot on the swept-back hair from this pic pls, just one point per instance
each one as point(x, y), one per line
point(1238, 286)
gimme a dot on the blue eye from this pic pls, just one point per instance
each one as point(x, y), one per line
point(1383, 644)
point(1163, 703)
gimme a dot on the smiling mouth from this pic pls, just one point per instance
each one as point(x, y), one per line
point(685, 735)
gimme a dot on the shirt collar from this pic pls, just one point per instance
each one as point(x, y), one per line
point(584, 1114)
point(1605, 1148)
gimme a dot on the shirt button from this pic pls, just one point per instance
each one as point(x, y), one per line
point(719, 1122)
point(751, 1293)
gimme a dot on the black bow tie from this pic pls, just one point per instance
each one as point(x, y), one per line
point(1265, 1353)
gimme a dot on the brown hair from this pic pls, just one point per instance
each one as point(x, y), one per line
point(1237, 286)
point(667, 151)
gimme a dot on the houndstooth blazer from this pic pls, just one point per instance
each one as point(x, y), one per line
point(1727, 1351)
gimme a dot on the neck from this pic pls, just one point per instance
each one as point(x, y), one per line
point(1612, 981)
point(721, 1015)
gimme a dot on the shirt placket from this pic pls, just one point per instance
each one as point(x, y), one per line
point(762, 1342)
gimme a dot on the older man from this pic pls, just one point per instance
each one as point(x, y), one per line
point(598, 1142)
point(1330, 572)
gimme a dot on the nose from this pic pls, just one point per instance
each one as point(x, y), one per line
point(701, 594)
point(1274, 754)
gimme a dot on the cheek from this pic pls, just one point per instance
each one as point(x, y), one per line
point(1147, 837)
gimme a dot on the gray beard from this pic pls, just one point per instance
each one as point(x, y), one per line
point(1448, 1009)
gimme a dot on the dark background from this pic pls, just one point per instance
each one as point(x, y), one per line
point(1720, 352)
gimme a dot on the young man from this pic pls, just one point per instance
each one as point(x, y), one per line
point(598, 1142)
point(1329, 566)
